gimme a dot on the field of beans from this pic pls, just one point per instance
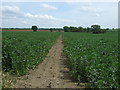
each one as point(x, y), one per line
point(25, 50)
point(93, 58)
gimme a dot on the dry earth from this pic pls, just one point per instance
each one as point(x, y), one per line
point(51, 73)
point(27, 30)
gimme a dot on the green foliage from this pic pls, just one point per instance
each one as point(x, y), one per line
point(80, 29)
point(25, 50)
point(51, 30)
point(93, 58)
point(73, 29)
point(34, 28)
point(66, 28)
point(96, 29)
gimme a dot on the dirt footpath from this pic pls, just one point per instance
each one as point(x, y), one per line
point(51, 73)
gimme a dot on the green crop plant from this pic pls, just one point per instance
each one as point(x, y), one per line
point(22, 51)
point(93, 58)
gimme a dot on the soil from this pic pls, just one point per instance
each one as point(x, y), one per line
point(53, 72)
point(27, 30)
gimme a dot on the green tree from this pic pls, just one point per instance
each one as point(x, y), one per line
point(51, 30)
point(95, 28)
point(80, 29)
point(34, 28)
point(72, 29)
point(66, 29)
point(107, 29)
point(88, 29)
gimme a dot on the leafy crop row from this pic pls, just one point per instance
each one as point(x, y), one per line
point(25, 50)
point(93, 58)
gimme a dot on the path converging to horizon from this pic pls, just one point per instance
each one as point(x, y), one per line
point(53, 72)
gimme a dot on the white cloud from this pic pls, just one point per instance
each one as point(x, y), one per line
point(10, 12)
point(91, 9)
point(40, 16)
point(28, 15)
point(25, 22)
point(11, 15)
point(48, 7)
point(95, 11)
point(97, 14)
point(13, 9)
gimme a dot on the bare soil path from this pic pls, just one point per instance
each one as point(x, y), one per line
point(51, 73)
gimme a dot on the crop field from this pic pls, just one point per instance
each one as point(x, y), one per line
point(25, 50)
point(91, 58)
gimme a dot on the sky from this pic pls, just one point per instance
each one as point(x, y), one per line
point(59, 14)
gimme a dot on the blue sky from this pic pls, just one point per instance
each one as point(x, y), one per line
point(59, 14)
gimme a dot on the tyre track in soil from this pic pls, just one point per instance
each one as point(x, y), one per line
point(53, 72)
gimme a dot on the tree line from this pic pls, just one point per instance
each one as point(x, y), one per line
point(94, 29)
point(35, 28)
